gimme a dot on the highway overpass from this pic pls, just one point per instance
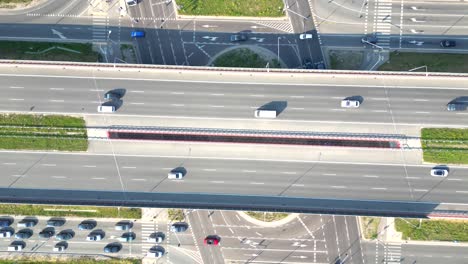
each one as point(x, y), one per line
point(232, 177)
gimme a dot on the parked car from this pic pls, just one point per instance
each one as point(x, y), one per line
point(123, 225)
point(112, 248)
point(211, 240)
point(46, 233)
point(55, 222)
point(24, 234)
point(307, 64)
point(94, 236)
point(305, 36)
point(155, 252)
point(179, 227)
point(5, 222)
point(127, 237)
point(87, 225)
point(60, 247)
point(157, 237)
point(64, 235)
point(137, 34)
point(26, 223)
point(448, 43)
point(16, 246)
point(238, 37)
point(6, 233)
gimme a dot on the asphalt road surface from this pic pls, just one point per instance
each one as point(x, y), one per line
point(389, 105)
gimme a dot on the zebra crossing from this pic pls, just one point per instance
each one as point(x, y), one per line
point(100, 29)
point(278, 25)
point(392, 253)
point(383, 22)
point(146, 229)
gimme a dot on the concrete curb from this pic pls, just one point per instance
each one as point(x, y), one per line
point(254, 221)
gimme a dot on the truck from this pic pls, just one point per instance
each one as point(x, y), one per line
point(259, 113)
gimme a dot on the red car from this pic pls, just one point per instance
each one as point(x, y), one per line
point(211, 240)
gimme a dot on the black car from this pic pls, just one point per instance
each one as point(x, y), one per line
point(24, 234)
point(64, 236)
point(448, 43)
point(307, 64)
point(456, 107)
point(87, 225)
point(112, 248)
point(179, 227)
point(238, 37)
point(46, 233)
point(55, 222)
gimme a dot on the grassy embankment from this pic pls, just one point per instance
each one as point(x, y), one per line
point(253, 8)
point(41, 132)
point(445, 145)
point(433, 230)
point(435, 62)
point(244, 58)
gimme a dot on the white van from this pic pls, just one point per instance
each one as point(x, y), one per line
point(265, 113)
point(106, 109)
point(175, 175)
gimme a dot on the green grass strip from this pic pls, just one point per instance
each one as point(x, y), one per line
point(244, 58)
point(84, 260)
point(252, 8)
point(435, 62)
point(63, 211)
point(437, 230)
point(41, 132)
point(445, 145)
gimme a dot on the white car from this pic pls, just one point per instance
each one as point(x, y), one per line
point(175, 175)
point(94, 237)
point(305, 36)
point(59, 248)
point(5, 233)
point(439, 172)
point(350, 103)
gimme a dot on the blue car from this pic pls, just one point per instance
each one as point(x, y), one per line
point(137, 34)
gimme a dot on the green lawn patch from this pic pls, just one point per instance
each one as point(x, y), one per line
point(445, 145)
point(84, 260)
point(438, 230)
point(49, 51)
point(43, 132)
point(244, 58)
point(267, 217)
point(176, 215)
point(253, 8)
point(370, 226)
point(13, 3)
point(78, 211)
point(435, 62)
point(346, 59)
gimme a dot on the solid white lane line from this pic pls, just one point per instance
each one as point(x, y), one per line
point(56, 89)
point(461, 191)
point(138, 179)
point(49, 165)
point(371, 176)
point(422, 112)
point(89, 166)
point(137, 91)
point(379, 111)
point(96, 90)
point(16, 87)
point(16, 99)
point(217, 94)
point(177, 93)
point(177, 104)
point(379, 99)
point(57, 101)
point(420, 100)
point(9, 163)
point(219, 106)
point(453, 179)
point(128, 167)
point(329, 174)
point(339, 187)
point(297, 108)
point(259, 183)
point(257, 95)
point(98, 178)
point(297, 96)
point(298, 185)
point(415, 178)
point(250, 171)
point(338, 109)
point(209, 169)
point(59, 177)
point(379, 188)
point(137, 103)
point(289, 172)
point(420, 190)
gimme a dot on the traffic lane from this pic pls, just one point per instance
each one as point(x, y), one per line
point(272, 243)
point(266, 255)
point(202, 227)
point(328, 182)
point(434, 254)
point(354, 239)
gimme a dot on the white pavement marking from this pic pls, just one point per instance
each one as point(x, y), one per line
point(89, 166)
point(57, 101)
point(177, 93)
point(9, 163)
point(137, 91)
point(57, 89)
point(371, 176)
point(249, 171)
point(128, 167)
point(217, 94)
point(420, 100)
point(305, 227)
point(379, 188)
point(209, 169)
point(422, 112)
point(177, 104)
point(329, 174)
point(217, 181)
point(289, 172)
point(59, 177)
point(16, 87)
point(258, 183)
point(16, 99)
point(97, 178)
point(420, 190)
point(339, 187)
point(138, 179)
point(49, 165)
point(137, 103)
